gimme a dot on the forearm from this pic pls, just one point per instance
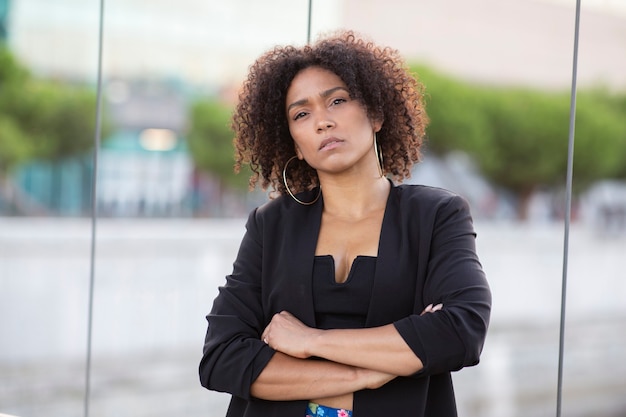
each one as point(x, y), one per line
point(287, 378)
point(380, 348)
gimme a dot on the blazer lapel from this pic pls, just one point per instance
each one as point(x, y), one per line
point(393, 290)
point(304, 231)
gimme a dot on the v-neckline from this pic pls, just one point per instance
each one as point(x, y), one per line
point(385, 220)
point(353, 265)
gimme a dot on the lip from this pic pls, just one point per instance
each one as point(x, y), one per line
point(329, 143)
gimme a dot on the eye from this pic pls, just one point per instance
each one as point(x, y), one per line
point(338, 100)
point(299, 115)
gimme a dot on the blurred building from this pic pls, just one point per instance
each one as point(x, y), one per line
point(212, 42)
point(145, 168)
point(522, 42)
point(157, 56)
point(4, 14)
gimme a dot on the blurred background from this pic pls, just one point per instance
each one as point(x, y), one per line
point(171, 212)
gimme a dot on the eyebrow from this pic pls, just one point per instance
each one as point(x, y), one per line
point(323, 94)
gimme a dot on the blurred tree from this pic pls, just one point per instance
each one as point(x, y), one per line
point(14, 147)
point(40, 120)
point(457, 119)
point(210, 140)
point(60, 119)
point(519, 136)
point(528, 146)
point(600, 147)
point(601, 135)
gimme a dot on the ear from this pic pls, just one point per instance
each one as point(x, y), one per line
point(377, 125)
point(298, 152)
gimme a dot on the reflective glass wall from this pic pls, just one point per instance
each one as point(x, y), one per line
point(169, 220)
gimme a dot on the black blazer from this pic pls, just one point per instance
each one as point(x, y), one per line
point(426, 255)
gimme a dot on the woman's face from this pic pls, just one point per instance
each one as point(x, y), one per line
point(331, 131)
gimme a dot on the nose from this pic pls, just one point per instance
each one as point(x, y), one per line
point(324, 123)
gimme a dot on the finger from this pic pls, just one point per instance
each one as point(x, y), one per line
point(427, 309)
point(437, 307)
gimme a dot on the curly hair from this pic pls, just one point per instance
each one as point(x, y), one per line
point(374, 75)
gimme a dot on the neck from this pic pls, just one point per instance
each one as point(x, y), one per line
point(354, 198)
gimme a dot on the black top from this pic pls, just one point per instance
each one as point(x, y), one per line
point(342, 305)
point(426, 254)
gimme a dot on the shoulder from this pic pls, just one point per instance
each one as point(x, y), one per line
point(424, 207)
point(432, 210)
point(426, 197)
point(285, 205)
point(284, 211)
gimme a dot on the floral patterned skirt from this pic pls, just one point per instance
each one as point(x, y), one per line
point(316, 410)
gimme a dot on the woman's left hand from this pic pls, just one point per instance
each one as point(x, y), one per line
point(288, 335)
point(431, 308)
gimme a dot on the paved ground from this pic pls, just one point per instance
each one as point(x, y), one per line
point(155, 281)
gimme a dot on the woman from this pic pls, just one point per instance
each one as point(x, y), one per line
point(350, 295)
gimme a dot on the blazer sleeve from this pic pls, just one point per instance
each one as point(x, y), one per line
point(233, 354)
point(454, 336)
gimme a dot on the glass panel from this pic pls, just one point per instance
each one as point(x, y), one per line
point(45, 186)
point(169, 230)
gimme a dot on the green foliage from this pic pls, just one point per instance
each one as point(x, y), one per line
point(600, 150)
point(210, 140)
point(600, 135)
point(41, 119)
point(14, 147)
point(59, 119)
point(11, 73)
point(456, 118)
point(528, 146)
point(519, 137)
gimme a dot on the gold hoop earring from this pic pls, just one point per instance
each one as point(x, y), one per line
point(379, 157)
point(289, 191)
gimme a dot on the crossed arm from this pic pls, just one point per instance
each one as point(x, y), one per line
point(353, 359)
point(308, 364)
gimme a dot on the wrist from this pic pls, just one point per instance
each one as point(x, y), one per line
point(315, 341)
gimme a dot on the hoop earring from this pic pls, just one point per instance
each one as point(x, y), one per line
point(289, 191)
point(379, 157)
